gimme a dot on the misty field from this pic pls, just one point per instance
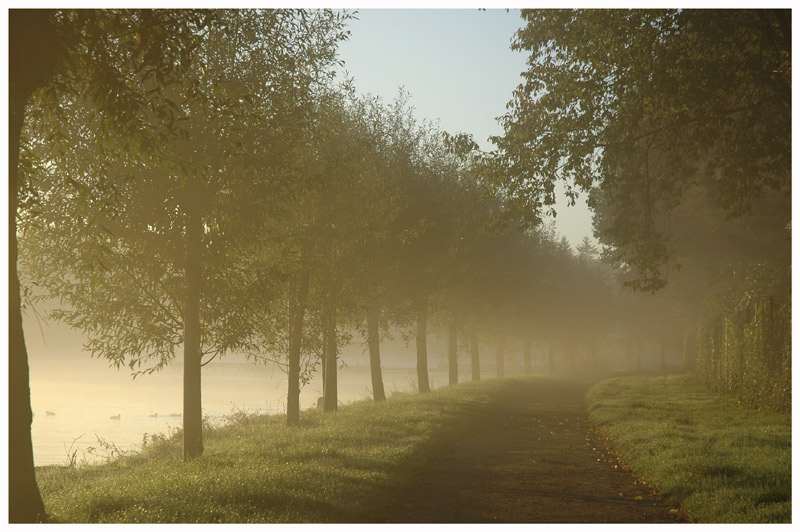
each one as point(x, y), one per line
point(719, 459)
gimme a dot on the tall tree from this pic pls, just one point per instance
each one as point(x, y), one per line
point(70, 52)
point(330, 225)
point(640, 104)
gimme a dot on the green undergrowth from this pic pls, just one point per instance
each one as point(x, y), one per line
point(348, 466)
point(719, 460)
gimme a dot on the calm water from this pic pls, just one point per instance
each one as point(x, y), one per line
point(84, 410)
point(84, 394)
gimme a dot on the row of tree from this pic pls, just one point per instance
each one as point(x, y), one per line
point(198, 181)
point(677, 126)
point(143, 126)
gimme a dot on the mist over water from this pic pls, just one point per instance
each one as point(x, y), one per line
point(85, 394)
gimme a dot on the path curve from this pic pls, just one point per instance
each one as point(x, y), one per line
point(531, 461)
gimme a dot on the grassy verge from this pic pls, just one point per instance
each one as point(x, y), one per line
point(719, 460)
point(351, 466)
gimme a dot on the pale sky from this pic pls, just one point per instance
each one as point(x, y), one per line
point(458, 68)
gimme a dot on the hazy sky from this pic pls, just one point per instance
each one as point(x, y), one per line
point(457, 66)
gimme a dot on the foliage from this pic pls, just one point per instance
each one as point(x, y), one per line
point(105, 227)
point(121, 61)
point(719, 460)
point(635, 106)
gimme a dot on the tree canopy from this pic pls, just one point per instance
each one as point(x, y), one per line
point(636, 106)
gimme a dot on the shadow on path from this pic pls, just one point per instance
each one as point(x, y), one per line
point(530, 461)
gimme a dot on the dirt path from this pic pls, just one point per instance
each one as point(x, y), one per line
point(531, 462)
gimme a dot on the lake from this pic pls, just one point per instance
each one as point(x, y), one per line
point(85, 405)
point(85, 396)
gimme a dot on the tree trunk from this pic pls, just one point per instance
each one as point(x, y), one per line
point(551, 358)
point(298, 291)
point(452, 352)
point(374, 343)
point(663, 358)
point(476, 361)
point(192, 405)
point(526, 356)
point(25, 501)
point(422, 350)
point(324, 358)
point(33, 52)
point(501, 358)
point(330, 352)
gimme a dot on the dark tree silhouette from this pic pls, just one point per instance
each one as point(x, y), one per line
point(35, 49)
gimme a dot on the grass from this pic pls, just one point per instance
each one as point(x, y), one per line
point(721, 461)
point(348, 467)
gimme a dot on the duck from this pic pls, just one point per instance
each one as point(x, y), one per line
point(115, 417)
point(49, 413)
point(154, 415)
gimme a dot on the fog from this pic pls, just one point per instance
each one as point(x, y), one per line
point(84, 394)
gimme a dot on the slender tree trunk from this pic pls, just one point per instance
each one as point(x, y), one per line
point(500, 357)
point(33, 52)
point(324, 359)
point(452, 352)
point(422, 350)
point(374, 343)
point(476, 361)
point(663, 358)
point(192, 404)
point(551, 358)
point(298, 291)
point(330, 352)
point(526, 356)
